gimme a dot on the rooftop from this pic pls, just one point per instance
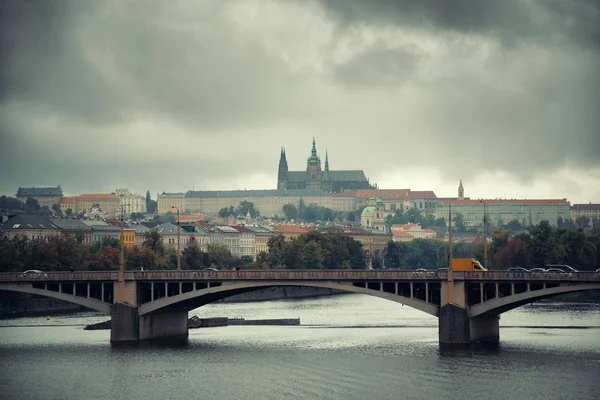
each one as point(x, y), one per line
point(42, 191)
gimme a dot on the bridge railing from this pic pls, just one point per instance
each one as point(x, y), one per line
point(59, 276)
point(341, 274)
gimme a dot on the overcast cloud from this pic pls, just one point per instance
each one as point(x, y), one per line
point(167, 96)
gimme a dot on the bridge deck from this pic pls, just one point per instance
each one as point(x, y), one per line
point(309, 275)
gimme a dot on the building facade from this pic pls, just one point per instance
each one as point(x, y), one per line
point(106, 202)
point(131, 202)
point(46, 196)
point(502, 211)
point(373, 216)
point(316, 178)
point(591, 211)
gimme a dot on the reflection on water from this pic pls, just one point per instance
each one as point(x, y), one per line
point(348, 347)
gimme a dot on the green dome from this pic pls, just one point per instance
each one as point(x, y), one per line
point(368, 212)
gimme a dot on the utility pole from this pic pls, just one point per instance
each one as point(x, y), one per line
point(178, 240)
point(485, 257)
point(450, 271)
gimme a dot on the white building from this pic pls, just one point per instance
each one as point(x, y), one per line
point(131, 203)
point(408, 232)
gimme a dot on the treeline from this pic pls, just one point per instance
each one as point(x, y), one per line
point(538, 246)
point(314, 250)
point(63, 253)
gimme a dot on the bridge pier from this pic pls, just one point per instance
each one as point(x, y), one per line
point(456, 326)
point(172, 324)
point(128, 326)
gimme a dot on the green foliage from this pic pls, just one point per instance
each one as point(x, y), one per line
point(246, 207)
point(315, 250)
point(136, 216)
point(170, 217)
point(153, 241)
point(290, 211)
point(151, 205)
point(313, 213)
point(458, 222)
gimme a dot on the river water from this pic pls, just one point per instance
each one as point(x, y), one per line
point(348, 347)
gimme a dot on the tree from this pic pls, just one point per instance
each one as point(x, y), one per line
point(224, 212)
point(69, 212)
point(351, 217)
point(170, 217)
point(459, 222)
point(153, 241)
point(582, 221)
point(290, 211)
point(514, 226)
point(394, 254)
point(440, 222)
point(56, 209)
point(192, 257)
point(301, 207)
point(246, 207)
point(31, 205)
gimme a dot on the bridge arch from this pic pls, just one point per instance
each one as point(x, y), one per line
point(503, 304)
point(93, 304)
point(198, 298)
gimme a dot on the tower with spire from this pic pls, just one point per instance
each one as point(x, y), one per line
point(461, 190)
point(282, 172)
point(314, 178)
point(313, 169)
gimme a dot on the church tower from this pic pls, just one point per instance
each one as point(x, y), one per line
point(313, 169)
point(461, 190)
point(282, 171)
point(326, 180)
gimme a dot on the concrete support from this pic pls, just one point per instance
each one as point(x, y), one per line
point(88, 290)
point(485, 329)
point(396, 288)
point(151, 291)
point(455, 324)
point(124, 323)
point(173, 324)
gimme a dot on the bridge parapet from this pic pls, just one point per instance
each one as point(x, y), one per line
point(59, 276)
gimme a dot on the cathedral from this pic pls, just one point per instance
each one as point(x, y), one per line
point(315, 179)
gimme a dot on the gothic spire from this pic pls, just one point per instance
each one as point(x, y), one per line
point(314, 148)
point(326, 161)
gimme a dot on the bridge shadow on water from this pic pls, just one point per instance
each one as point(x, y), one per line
point(461, 350)
point(158, 344)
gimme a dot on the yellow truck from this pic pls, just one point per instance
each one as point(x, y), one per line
point(467, 264)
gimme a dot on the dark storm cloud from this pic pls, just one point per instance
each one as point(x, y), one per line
point(510, 20)
point(95, 92)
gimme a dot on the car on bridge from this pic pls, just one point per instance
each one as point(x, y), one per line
point(537, 270)
point(33, 273)
point(517, 270)
point(419, 271)
point(555, 271)
point(562, 267)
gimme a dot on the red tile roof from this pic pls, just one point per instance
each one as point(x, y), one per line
point(425, 194)
point(68, 200)
point(505, 201)
point(290, 229)
point(383, 193)
point(98, 196)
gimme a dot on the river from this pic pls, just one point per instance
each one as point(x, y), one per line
point(348, 347)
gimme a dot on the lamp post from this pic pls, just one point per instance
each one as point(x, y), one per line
point(178, 240)
point(485, 257)
point(450, 271)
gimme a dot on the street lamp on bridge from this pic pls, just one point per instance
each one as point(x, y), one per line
point(178, 240)
point(484, 233)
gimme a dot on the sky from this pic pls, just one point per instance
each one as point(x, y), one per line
point(178, 95)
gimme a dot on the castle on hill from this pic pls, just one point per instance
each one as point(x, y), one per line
point(315, 178)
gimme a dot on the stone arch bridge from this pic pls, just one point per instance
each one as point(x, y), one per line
point(155, 304)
